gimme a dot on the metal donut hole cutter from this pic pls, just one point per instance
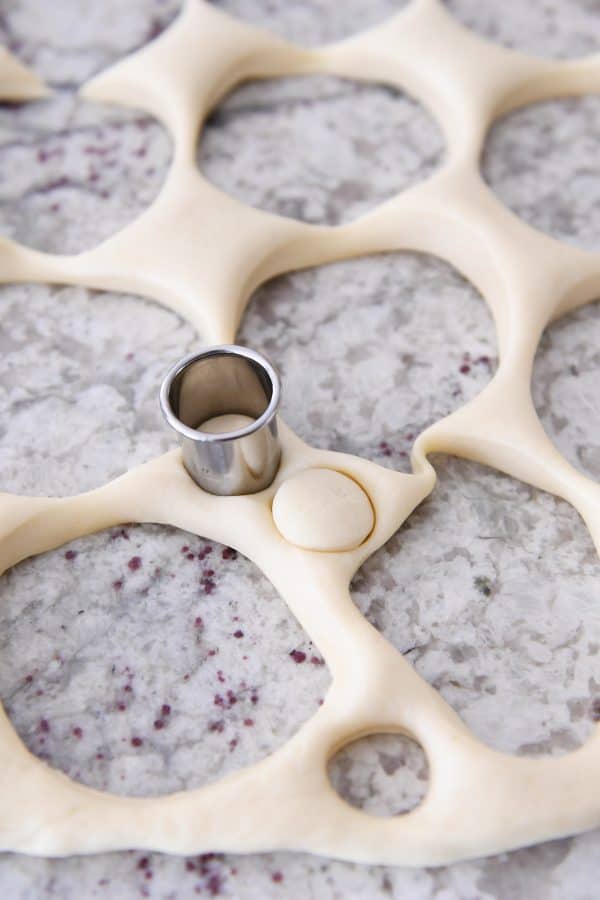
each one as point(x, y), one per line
point(223, 402)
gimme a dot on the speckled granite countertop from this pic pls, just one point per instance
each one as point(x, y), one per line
point(144, 660)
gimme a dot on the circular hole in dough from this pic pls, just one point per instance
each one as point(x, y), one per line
point(321, 509)
point(76, 173)
point(565, 387)
point(382, 774)
point(318, 149)
point(490, 591)
point(545, 28)
point(144, 660)
point(372, 351)
point(80, 374)
point(542, 161)
point(315, 21)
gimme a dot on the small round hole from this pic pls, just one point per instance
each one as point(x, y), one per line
point(382, 774)
point(499, 613)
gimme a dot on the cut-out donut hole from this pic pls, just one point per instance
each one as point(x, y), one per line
point(547, 870)
point(80, 373)
point(373, 350)
point(565, 387)
point(75, 42)
point(490, 590)
point(74, 173)
point(315, 21)
point(552, 28)
point(144, 659)
point(382, 774)
point(322, 150)
point(542, 161)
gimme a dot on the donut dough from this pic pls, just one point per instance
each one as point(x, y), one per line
point(319, 509)
point(203, 253)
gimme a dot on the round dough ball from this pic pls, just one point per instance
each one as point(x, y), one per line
point(320, 509)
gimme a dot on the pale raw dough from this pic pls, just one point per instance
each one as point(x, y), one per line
point(225, 423)
point(253, 446)
point(18, 83)
point(319, 509)
point(203, 253)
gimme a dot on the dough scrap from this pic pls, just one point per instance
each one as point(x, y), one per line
point(320, 509)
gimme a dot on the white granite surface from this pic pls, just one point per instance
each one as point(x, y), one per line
point(144, 660)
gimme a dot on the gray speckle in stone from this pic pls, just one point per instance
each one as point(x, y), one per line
point(565, 387)
point(558, 28)
point(79, 375)
point(311, 22)
point(74, 173)
point(490, 589)
point(529, 873)
point(75, 667)
point(75, 39)
point(513, 658)
point(363, 369)
point(542, 161)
